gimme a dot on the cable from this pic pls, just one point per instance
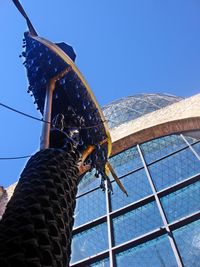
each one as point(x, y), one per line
point(41, 120)
point(22, 113)
point(11, 158)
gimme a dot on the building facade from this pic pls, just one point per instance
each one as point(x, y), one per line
point(156, 155)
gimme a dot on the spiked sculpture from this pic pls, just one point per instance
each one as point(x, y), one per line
point(36, 229)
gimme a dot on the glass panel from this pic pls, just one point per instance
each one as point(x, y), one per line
point(182, 202)
point(136, 223)
point(126, 161)
point(174, 169)
point(103, 263)
point(89, 207)
point(155, 253)
point(89, 242)
point(160, 147)
point(132, 107)
point(88, 182)
point(188, 242)
point(192, 137)
point(137, 187)
point(197, 148)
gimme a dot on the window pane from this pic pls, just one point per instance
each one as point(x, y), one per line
point(188, 242)
point(126, 161)
point(103, 263)
point(160, 147)
point(155, 253)
point(192, 137)
point(174, 169)
point(89, 207)
point(197, 148)
point(136, 222)
point(137, 186)
point(182, 202)
point(89, 242)
point(88, 182)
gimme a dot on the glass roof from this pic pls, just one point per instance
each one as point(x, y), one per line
point(133, 107)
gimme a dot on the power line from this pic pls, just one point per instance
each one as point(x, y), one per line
point(12, 158)
point(35, 118)
point(41, 120)
point(22, 113)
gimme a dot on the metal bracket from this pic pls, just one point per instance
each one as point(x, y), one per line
point(44, 141)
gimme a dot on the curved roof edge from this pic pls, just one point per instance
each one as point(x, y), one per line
point(176, 118)
point(133, 107)
point(179, 98)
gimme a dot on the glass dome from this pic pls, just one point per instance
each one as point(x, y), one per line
point(132, 107)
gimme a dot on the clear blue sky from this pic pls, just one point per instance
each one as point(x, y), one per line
point(123, 47)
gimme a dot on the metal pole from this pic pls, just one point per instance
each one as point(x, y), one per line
point(109, 226)
point(44, 140)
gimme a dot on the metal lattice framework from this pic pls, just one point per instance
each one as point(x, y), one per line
point(155, 214)
point(133, 107)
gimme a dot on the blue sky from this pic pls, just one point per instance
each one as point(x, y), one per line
point(123, 48)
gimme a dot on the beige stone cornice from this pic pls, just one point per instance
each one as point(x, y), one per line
point(179, 117)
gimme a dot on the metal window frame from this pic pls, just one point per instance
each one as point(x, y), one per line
point(162, 213)
point(144, 238)
point(139, 240)
point(109, 226)
point(168, 228)
point(136, 204)
point(148, 164)
point(190, 146)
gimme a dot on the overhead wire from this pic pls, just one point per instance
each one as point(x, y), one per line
point(42, 120)
point(12, 158)
point(23, 113)
point(35, 118)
